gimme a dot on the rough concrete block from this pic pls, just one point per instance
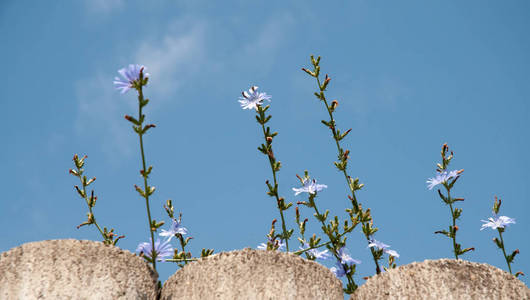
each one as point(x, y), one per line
point(443, 279)
point(73, 269)
point(253, 274)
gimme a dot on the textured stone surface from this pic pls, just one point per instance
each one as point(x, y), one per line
point(253, 274)
point(443, 279)
point(73, 269)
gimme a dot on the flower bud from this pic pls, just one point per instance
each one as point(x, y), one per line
point(334, 104)
point(269, 139)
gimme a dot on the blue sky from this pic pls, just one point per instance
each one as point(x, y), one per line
point(409, 76)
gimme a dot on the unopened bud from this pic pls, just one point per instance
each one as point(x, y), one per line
point(516, 251)
point(75, 157)
point(269, 139)
point(334, 104)
point(456, 228)
point(128, 118)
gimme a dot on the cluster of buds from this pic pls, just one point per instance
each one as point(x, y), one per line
point(266, 148)
point(447, 179)
point(109, 237)
point(356, 212)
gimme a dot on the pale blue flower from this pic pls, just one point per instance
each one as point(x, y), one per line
point(315, 253)
point(162, 249)
point(441, 177)
point(391, 252)
point(263, 246)
point(309, 186)
point(252, 98)
point(497, 222)
point(338, 270)
point(176, 228)
point(345, 258)
point(382, 246)
point(130, 75)
point(379, 245)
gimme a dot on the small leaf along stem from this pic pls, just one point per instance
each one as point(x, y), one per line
point(341, 153)
point(147, 192)
point(272, 161)
point(504, 251)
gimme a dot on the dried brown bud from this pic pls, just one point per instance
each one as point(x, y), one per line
point(334, 104)
point(456, 228)
point(269, 139)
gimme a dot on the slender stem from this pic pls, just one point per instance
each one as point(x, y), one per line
point(90, 207)
point(453, 235)
point(354, 198)
point(182, 244)
point(311, 248)
point(504, 252)
point(271, 162)
point(181, 259)
point(144, 175)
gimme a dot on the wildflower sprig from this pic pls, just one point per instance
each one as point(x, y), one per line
point(356, 212)
point(331, 228)
point(500, 223)
point(134, 77)
point(448, 179)
point(179, 231)
point(109, 237)
point(254, 100)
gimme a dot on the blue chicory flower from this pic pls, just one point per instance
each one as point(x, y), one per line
point(175, 228)
point(497, 222)
point(338, 270)
point(441, 177)
point(252, 98)
point(345, 258)
point(130, 75)
point(391, 252)
point(309, 186)
point(315, 253)
point(380, 245)
point(162, 249)
point(263, 246)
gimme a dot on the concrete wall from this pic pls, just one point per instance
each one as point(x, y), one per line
point(443, 279)
point(73, 269)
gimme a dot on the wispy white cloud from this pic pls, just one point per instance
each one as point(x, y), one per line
point(100, 115)
point(174, 58)
point(104, 7)
point(270, 38)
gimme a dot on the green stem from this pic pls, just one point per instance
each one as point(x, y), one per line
point(354, 198)
point(453, 235)
point(311, 248)
point(271, 162)
point(144, 174)
point(90, 207)
point(504, 251)
point(181, 260)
